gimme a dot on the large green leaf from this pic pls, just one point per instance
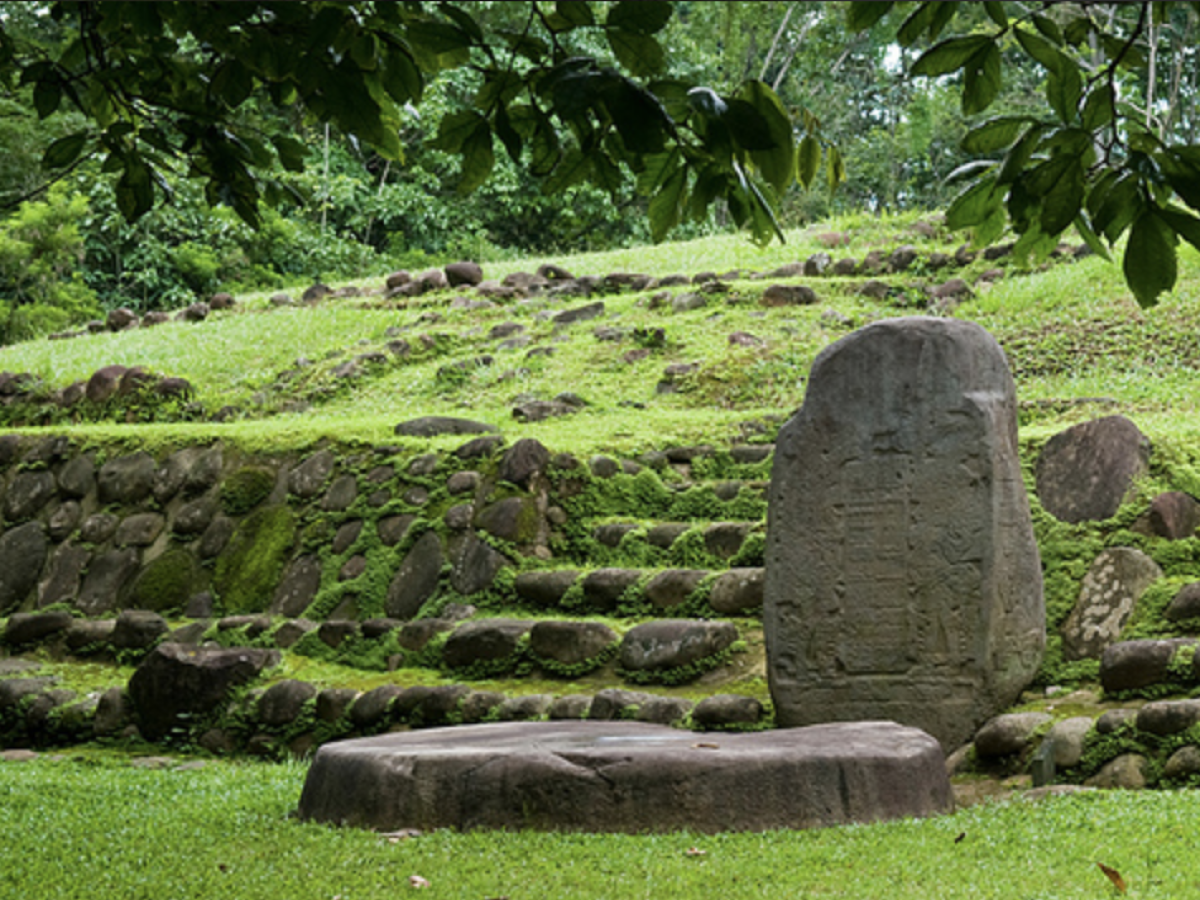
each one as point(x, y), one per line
point(974, 204)
point(916, 23)
point(641, 17)
point(1062, 203)
point(1150, 263)
point(135, 189)
point(574, 168)
point(455, 128)
point(1019, 154)
point(464, 20)
point(47, 95)
point(65, 150)
point(291, 152)
point(233, 83)
point(478, 158)
point(950, 55)
point(641, 54)
point(994, 134)
point(776, 162)
point(639, 118)
point(983, 80)
point(1091, 239)
point(438, 37)
point(862, 15)
point(1182, 175)
point(576, 13)
point(748, 126)
point(1119, 206)
point(1098, 108)
point(1185, 225)
point(545, 149)
point(509, 136)
point(835, 168)
point(808, 161)
point(996, 13)
point(667, 205)
point(1041, 51)
point(1064, 89)
point(401, 77)
point(656, 169)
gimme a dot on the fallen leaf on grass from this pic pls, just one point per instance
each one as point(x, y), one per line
point(696, 851)
point(395, 837)
point(1115, 877)
point(416, 881)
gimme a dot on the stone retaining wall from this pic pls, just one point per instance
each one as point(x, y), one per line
point(346, 534)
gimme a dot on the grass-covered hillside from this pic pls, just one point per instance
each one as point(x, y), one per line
point(279, 375)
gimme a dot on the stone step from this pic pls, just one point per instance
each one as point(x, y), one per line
point(721, 539)
point(733, 592)
point(1138, 666)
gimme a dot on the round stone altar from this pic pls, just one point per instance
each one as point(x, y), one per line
point(627, 777)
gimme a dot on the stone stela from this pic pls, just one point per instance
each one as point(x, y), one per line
point(902, 578)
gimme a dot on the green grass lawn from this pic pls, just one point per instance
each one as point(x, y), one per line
point(95, 828)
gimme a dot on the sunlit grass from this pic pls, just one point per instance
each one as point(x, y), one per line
point(1072, 332)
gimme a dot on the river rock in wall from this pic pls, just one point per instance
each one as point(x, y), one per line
point(902, 578)
point(1111, 588)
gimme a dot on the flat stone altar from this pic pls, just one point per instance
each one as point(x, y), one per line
point(627, 777)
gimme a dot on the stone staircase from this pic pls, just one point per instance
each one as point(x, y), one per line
point(493, 582)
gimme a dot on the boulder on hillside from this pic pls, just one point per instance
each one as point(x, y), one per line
point(1086, 472)
point(789, 295)
point(176, 685)
point(465, 272)
point(432, 426)
point(1185, 604)
point(1173, 515)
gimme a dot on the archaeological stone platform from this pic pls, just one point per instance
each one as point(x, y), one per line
point(627, 777)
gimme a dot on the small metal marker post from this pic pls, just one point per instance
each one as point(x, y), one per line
point(1042, 767)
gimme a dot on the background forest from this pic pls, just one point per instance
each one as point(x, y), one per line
point(67, 253)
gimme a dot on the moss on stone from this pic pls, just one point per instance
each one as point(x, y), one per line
point(245, 489)
point(249, 569)
point(167, 582)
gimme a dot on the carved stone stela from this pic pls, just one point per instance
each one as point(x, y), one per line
point(902, 577)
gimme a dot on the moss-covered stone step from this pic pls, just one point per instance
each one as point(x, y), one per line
point(1150, 667)
point(1155, 745)
point(720, 540)
point(732, 592)
point(214, 702)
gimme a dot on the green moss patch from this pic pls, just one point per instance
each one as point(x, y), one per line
point(167, 582)
point(250, 567)
point(245, 489)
